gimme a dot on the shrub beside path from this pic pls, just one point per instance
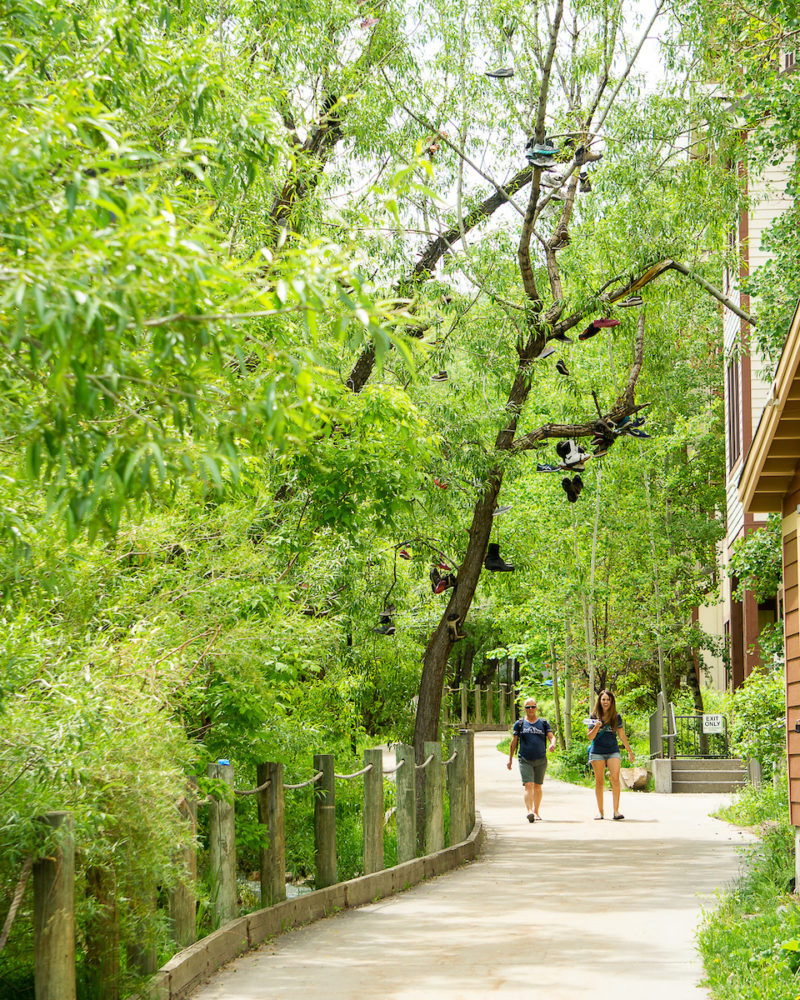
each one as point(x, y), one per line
point(560, 908)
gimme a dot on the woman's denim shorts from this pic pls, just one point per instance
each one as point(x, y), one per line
point(605, 756)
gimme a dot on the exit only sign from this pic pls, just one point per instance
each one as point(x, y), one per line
point(713, 722)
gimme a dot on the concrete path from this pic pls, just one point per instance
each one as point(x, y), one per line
point(552, 909)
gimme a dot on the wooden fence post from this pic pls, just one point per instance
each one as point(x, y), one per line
point(434, 798)
point(102, 936)
point(457, 790)
point(271, 814)
point(325, 822)
point(222, 846)
point(502, 704)
point(406, 785)
point(141, 946)
point(54, 915)
point(373, 812)
point(478, 704)
point(469, 740)
point(490, 703)
point(182, 900)
point(463, 704)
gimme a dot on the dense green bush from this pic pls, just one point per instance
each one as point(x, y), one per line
point(758, 727)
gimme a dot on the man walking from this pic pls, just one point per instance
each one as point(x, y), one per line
point(534, 737)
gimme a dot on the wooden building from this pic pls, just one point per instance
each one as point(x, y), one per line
point(770, 483)
point(746, 397)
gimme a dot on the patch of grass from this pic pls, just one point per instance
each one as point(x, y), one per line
point(755, 805)
point(751, 943)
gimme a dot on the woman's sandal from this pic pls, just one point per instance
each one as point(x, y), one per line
point(619, 816)
point(600, 816)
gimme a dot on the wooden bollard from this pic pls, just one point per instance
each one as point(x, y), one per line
point(325, 822)
point(406, 787)
point(222, 847)
point(434, 798)
point(464, 718)
point(373, 812)
point(54, 914)
point(457, 790)
point(271, 814)
point(469, 738)
point(502, 704)
point(490, 705)
point(182, 899)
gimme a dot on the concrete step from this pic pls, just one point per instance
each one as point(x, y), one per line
point(701, 773)
point(706, 786)
point(707, 765)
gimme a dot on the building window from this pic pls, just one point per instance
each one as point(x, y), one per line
point(733, 240)
point(733, 394)
point(789, 61)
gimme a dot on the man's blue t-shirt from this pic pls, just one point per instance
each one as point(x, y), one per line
point(532, 738)
point(606, 739)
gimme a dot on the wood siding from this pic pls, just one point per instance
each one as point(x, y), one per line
point(791, 631)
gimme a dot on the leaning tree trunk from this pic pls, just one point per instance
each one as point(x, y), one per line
point(434, 662)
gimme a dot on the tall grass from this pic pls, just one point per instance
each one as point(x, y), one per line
point(751, 943)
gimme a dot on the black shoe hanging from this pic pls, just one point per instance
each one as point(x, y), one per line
point(572, 487)
point(494, 562)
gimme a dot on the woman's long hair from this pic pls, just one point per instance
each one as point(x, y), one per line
point(608, 718)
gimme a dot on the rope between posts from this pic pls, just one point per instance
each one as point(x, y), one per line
point(450, 759)
point(251, 791)
point(397, 766)
point(355, 774)
point(311, 781)
point(421, 767)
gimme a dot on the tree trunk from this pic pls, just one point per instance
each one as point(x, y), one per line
point(434, 662)
point(693, 682)
point(556, 696)
point(662, 674)
point(568, 699)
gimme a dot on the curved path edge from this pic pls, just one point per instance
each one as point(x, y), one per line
point(190, 966)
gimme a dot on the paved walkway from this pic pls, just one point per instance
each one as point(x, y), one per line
point(555, 909)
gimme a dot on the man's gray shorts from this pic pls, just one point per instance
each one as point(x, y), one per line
point(532, 770)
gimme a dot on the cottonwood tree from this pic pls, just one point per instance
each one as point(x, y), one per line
point(577, 66)
point(260, 197)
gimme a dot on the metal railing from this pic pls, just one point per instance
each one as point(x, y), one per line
point(694, 735)
point(692, 741)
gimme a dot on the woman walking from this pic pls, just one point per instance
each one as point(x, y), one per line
point(606, 731)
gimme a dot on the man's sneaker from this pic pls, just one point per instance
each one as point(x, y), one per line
point(561, 367)
point(440, 376)
point(630, 302)
point(501, 73)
